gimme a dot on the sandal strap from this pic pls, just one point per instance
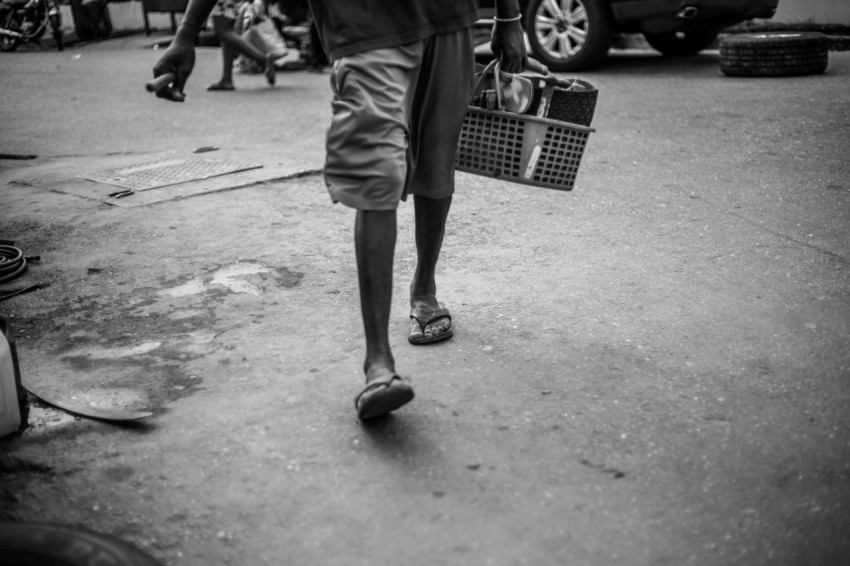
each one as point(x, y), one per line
point(437, 314)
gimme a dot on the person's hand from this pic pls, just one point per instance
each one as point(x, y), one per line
point(508, 44)
point(179, 59)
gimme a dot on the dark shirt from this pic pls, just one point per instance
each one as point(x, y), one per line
point(295, 10)
point(352, 26)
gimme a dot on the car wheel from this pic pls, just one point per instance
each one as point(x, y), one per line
point(776, 54)
point(681, 44)
point(569, 35)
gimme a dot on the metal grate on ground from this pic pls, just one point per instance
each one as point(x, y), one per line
point(168, 172)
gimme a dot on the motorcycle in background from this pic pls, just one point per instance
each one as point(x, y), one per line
point(22, 21)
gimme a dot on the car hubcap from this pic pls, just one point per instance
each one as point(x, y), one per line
point(561, 27)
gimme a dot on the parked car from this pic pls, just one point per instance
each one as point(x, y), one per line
point(574, 35)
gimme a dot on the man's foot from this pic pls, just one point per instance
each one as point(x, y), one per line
point(221, 85)
point(385, 392)
point(271, 71)
point(429, 324)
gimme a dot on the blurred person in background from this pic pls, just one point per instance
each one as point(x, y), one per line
point(229, 22)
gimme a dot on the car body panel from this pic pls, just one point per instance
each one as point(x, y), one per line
point(658, 16)
point(627, 10)
point(568, 39)
point(627, 13)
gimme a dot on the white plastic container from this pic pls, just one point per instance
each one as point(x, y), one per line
point(10, 413)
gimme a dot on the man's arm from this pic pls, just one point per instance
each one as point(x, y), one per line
point(508, 39)
point(179, 58)
point(193, 21)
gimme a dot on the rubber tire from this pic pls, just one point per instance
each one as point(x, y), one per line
point(776, 54)
point(785, 71)
point(9, 43)
point(46, 544)
point(786, 61)
point(600, 36)
point(681, 44)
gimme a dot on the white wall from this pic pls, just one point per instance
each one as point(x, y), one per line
point(128, 15)
point(125, 16)
point(815, 11)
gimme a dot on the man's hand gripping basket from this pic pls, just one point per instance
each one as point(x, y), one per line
point(526, 129)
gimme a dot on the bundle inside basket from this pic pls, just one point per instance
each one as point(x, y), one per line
point(572, 100)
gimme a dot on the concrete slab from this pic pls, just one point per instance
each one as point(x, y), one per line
point(255, 124)
point(79, 176)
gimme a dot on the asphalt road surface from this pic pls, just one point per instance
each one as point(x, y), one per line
point(650, 369)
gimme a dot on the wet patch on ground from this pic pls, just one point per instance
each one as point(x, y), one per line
point(249, 277)
point(133, 351)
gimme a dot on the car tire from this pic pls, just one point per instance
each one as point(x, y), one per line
point(681, 44)
point(775, 54)
point(575, 38)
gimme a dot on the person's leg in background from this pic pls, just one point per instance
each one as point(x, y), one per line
point(227, 55)
point(232, 44)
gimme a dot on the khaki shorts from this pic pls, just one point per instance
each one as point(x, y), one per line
point(397, 116)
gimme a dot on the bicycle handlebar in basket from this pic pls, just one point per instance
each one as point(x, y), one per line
point(543, 149)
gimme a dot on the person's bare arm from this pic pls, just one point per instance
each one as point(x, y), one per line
point(179, 58)
point(508, 39)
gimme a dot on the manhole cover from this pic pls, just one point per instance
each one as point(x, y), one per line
point(168, 172)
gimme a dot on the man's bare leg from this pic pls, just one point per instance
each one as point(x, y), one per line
point(431, 215)
point(374, 241)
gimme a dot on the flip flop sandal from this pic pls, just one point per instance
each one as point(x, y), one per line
point(383, 396)
point(217, 86)
point(441, 312)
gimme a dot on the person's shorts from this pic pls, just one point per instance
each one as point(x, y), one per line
point(397, 116)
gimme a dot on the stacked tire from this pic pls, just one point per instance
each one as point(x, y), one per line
point(774, 54)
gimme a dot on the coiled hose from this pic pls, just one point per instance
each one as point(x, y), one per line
point(12, 263)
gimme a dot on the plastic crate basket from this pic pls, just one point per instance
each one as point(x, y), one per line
point(521, 148)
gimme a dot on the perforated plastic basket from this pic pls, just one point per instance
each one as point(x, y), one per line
point(521, 148)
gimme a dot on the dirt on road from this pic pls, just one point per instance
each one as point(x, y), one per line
point(650, 369)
